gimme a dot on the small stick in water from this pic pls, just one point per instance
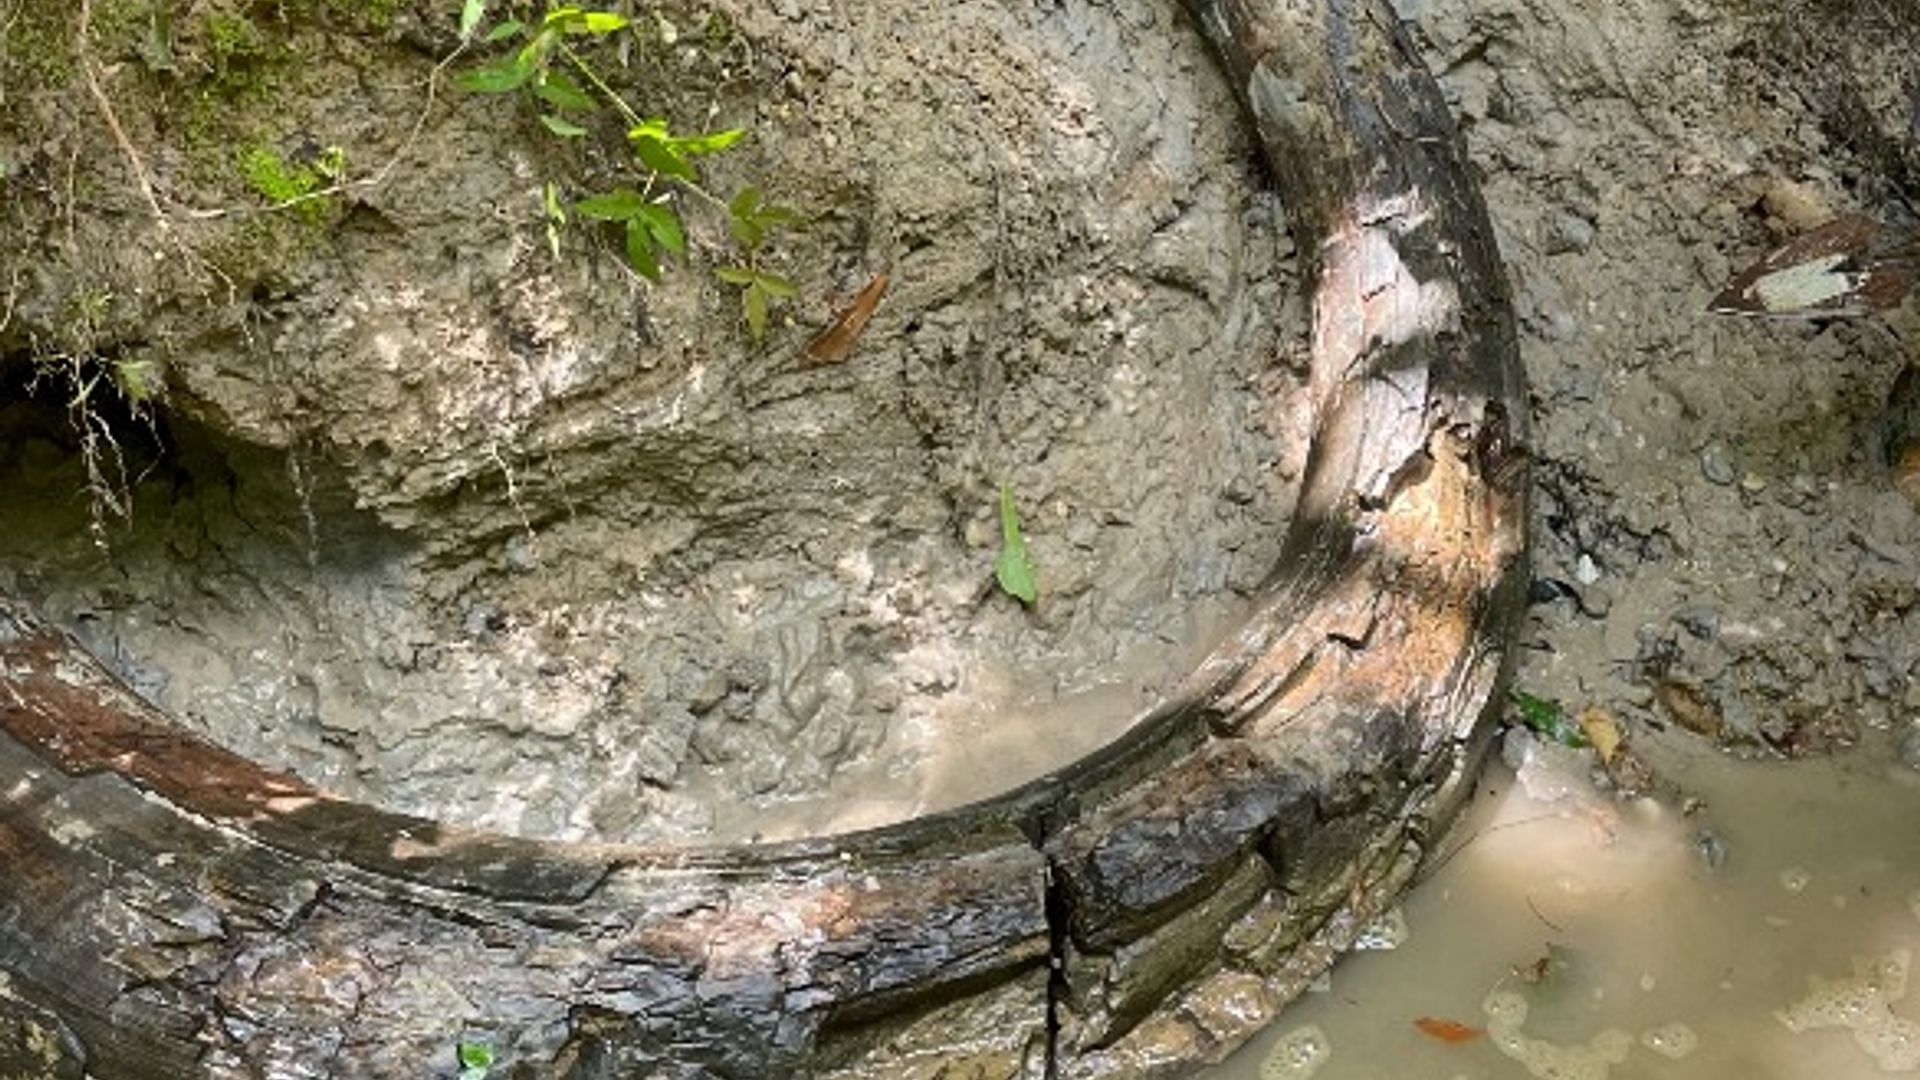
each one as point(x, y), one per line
point(836, 341)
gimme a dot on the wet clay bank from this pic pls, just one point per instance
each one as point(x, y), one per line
point(427, 505)
point(1716, 540)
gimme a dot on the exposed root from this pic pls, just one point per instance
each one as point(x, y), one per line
point(83, 57)
point(109, 488)
point(513, 498)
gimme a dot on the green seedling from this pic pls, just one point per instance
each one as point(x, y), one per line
point(1014, 568)
point(544, 66)
point(476, 1060)
point(1548, 719)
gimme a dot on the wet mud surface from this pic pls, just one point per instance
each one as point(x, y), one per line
point(438, 522)
point(1716, 537)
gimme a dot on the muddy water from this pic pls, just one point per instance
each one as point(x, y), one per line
point(1676, 945)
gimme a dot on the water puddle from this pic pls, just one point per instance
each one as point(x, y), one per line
point(1767, 935)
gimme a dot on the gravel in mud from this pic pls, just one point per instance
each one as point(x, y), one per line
point(1716, 537)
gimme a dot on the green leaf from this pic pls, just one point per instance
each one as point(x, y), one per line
point(707, 144)
point(1014, 568)
point(746, 231)
point(661, 157)
point(776, 286)
point(470, 15)
point(1548, 719)
point(533, 55)
point(505, 30)
point(558, 89)
point(640, 250)
point(754, 303)
point(664, 226)
point(748, 219)
point(623, 204)
point(499, 77)
point(654, 128)
point(572, 20)
point(566, 129)
point(745, 202)
point(476, 1060)
point(156, 45)
point(734, 275)
point(138, 380)
point(603, 22)
point(332, 163)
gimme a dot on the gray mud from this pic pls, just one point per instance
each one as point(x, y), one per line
point(1718, 541)
point(438, 522)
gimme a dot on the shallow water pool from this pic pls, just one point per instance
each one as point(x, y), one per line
point(1767, 934)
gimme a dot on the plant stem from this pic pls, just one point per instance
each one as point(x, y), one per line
point(633, 118)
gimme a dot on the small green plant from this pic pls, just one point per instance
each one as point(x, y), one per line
point(1548, 719)
point(1014, 568)
point(155, 46)
point(545, 66)
point(232, 41)
point(476, 1060)
point(137, 380)
point(749, 220)
point(284, 183)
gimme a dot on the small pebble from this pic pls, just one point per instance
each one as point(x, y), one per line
point(1566, 232)
point(1715, 466)
point(1586, 571)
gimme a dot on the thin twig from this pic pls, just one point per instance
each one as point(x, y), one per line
point(6, 34)
point(1440, 863)
point(83, 54)
point(626, 110)
point(12, 301)
point(1551, 925)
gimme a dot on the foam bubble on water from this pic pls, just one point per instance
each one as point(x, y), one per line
point(1507, 1012)
point(1795, 879)
point(1298, 1055)
point(1863, 1005)
point(1675, 1040)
